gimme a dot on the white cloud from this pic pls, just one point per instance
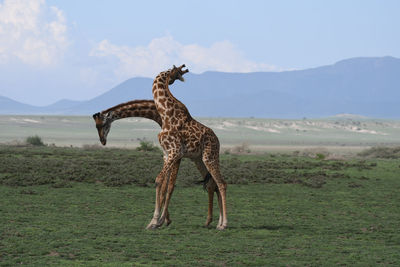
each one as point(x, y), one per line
point(162, 53)
point(32, 32)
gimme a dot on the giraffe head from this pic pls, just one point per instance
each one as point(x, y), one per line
point(103, 125)
point(176, 73)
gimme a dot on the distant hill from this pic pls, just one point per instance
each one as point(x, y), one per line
point(366, 86)
point(61, 107)
point(135, 88)
point(9, 106)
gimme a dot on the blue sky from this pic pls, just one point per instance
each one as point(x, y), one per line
point(76, 49)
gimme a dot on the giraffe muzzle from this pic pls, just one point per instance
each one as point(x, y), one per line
point(182, 72)
point(103, 141)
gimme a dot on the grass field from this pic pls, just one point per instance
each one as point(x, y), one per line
point(89, 207)
point(338, 134)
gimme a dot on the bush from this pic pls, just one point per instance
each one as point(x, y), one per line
point(381, 152)
point(91, 146)
point(240, 149)
point(316, 152)
point(147, 146)
point(34, 140)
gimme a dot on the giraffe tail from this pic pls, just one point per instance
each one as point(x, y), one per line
point(205, 181)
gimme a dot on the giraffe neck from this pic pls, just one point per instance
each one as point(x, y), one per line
point(161, 88)
point(171, 110)
point(136, 108)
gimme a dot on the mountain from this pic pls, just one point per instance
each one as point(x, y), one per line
point(135, 88)
point(60, 107)
point(9, 106)
point(365, 86)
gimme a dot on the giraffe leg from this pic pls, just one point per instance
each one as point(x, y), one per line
point(211, 186)
point(163, 192)
point(214, 170)
point(159, 181)
point(210, 207)
point(163, 189)
point(220, 208)
point(211, 161)
point(211, 189)
point(170, 190)
point(163, 175)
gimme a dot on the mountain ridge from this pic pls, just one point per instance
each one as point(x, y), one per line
point(365, 86)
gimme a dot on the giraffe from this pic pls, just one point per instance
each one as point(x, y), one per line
point(182, 136)
point(144, 109)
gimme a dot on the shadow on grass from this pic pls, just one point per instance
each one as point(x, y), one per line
point(263, 227)
point(233, 227)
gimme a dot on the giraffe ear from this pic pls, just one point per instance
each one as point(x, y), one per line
point(96, 115)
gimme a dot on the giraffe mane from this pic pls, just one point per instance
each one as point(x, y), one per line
point(126, 103)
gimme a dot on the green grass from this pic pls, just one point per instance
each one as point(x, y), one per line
point(283, 210)
point(24, 166)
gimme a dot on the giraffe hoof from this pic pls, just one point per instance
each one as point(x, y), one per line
point(160, 222)
point(168, 222)
point(207, 224)
point(151, 227)
point(222, 227)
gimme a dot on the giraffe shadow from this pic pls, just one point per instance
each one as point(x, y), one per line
point(263, 227)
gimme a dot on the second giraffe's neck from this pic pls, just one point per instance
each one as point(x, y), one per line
point(136, 108)
point(161, 89)
point(167, 105)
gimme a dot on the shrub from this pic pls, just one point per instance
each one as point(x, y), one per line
point(91, 146)
point(240, 149)
point(34, 140)
point(381, 152)
point(316, 152)
point(146, 145)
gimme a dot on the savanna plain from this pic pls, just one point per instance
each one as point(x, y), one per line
point(300, 192)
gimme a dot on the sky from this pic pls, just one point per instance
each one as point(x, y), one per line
point(57, 49)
